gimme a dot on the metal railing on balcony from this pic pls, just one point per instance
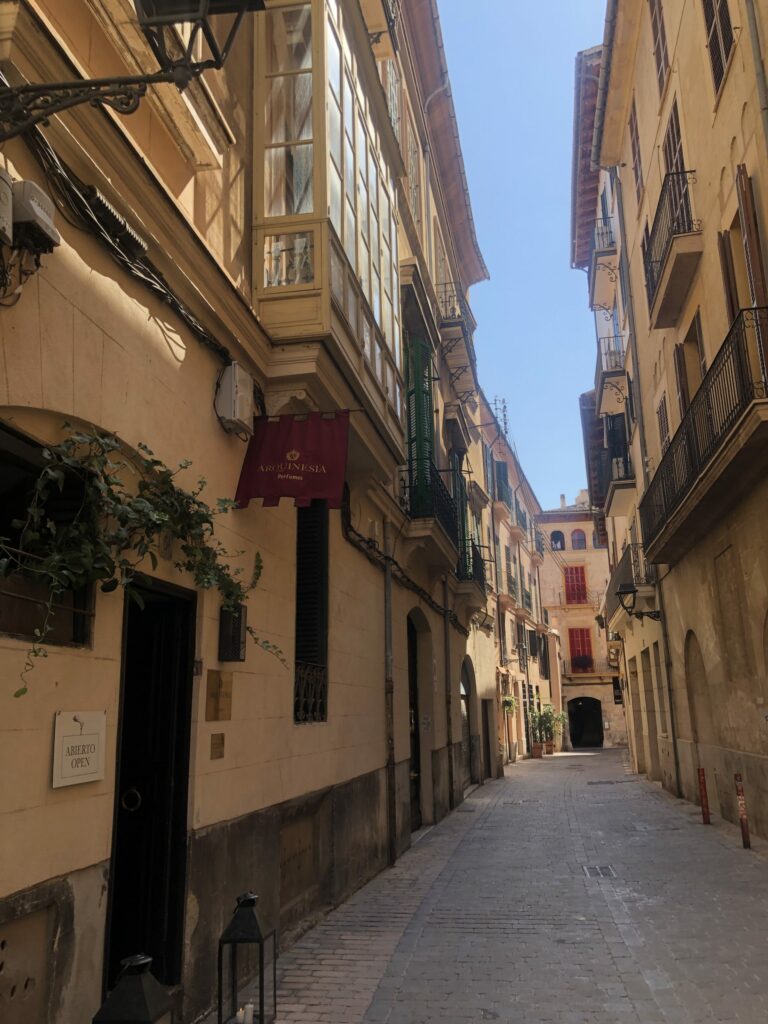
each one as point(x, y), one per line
point(603, 239)
point(504, 493)
point(453, 303)
point(471, 567)
point(521, 517)
point(614, 466)
point(538, 541)
point(512, 586)
point(735, 379)
point(673, 217)
point(586, 665)
point(527, 599)
point(611, 354)
point(428, 496)
point(631, 568)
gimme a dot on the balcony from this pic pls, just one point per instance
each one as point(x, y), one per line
point(518, 522)
point(537, 552)
point(673, 251)
point(720, 449)
point(432, 511)
point(603, 266)
point(457, 327)
point(471, 567)
point(632, 568)
point(617, 481)
point(508, 598)
point(585, 665)
point(610, 379)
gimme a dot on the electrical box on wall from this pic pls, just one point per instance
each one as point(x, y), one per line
point(6, 208)
point(33, 222)
point(234, 400)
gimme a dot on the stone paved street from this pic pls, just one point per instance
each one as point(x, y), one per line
point(492, 917)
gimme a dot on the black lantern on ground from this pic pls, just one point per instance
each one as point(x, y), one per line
point(137, 998)
point(244, 930)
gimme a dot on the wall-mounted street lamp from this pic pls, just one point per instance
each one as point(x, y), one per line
point(627, 595)
point(24, 106)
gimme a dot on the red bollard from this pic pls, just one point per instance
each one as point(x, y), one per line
point(703, 797)
point(742, 812)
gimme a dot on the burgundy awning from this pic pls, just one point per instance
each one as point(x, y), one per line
point(302, 457)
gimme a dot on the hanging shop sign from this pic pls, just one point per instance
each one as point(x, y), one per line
point(300, 457)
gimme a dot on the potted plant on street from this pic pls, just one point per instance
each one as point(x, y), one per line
point(537, 743)
point(561, 721)
point(548, 728)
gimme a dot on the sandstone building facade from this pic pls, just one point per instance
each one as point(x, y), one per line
point(669, 222)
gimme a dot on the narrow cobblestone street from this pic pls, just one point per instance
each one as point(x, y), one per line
point(493, 916)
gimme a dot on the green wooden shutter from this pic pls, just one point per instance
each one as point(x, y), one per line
point(420, 418)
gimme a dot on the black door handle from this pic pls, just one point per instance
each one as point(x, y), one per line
point(131, 800)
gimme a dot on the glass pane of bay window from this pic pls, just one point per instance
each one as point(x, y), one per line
point(334, 183)
point(288, 259)
point(289, 39)
point(334, 131)
point(289, 108)
point(350, 231)
point(334, 64)
point(288, 180)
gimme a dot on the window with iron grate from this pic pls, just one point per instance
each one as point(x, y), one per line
point(660, 54)
point(719, 37)
point(311, 676)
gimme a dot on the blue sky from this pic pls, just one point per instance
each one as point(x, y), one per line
point(511, 66)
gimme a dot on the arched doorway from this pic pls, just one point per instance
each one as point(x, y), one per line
point(585, 721)
point(413, 724)
point(466, 730)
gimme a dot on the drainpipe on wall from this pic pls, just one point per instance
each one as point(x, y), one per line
point(389, 698)
point(448, 691)
point(757, 55)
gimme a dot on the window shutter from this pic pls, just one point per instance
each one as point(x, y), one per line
point(420, 414)
point(575, 584)
point(663, 421)
point(729, 274)
point(312, 584)
point(751, 235)
point(681, 376)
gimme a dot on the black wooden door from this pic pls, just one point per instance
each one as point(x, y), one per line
point(413, 710)
point(487, 734)
point(147, 872)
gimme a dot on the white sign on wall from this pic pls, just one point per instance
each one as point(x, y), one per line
point(78, 747)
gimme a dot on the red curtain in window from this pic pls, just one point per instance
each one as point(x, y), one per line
point(580, 645)
point(575, 584)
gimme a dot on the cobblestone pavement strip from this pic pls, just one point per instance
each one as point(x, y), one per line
point(492, 916)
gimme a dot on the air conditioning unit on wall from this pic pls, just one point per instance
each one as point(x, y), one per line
point(234, 402)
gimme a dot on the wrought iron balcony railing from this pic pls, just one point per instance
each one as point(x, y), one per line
point(614, 466)
point(504, 493)
point(631, 568)
point(428, 497)
point(453, 304)
point(471, 566)
point(539, 542)
point(603, 239)
point(735, 379)
point(611, 354)
point(673, 217)
point(521, 516)
point(587, 665)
